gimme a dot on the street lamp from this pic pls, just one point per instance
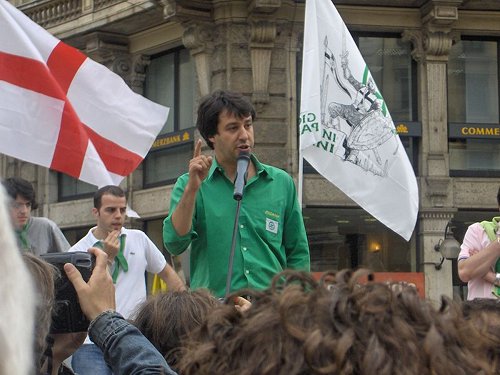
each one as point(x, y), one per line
point(449, 248)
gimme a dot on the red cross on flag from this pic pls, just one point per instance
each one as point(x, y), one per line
point(62, 110)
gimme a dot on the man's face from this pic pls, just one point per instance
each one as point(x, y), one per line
point(20, 211)
point(111, 215)
point(233, 135)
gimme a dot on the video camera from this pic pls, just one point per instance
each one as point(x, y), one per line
point(68, 316)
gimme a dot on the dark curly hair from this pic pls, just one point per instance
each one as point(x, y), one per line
point(212, 105)
point(19, 186)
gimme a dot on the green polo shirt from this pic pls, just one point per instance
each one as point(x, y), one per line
point(271, 235)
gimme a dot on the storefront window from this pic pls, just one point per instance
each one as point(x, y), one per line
point(350, 238)
point(474, 157)
point(170, 80)
point(473, 82)
point(164, 166)
point(473, 109)
point(390, 63)
point(71, 188)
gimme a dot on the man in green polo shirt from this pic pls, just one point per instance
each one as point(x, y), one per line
point(271, 234)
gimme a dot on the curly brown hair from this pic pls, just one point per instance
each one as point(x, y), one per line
point(335, 326)
point(166, 318)
point(484, 315)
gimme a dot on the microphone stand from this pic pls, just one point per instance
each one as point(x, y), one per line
point(231, 254)
point(239, 184)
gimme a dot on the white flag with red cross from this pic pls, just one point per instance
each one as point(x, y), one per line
point(64, 111)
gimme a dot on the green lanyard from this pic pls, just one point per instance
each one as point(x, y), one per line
point(120, 261)
point(22, 235)
point(490, 227)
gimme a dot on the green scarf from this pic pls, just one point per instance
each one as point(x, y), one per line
point(490, 227)
point(22, 235)
point(120, 261)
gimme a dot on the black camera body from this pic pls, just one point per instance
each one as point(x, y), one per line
point(68, 316)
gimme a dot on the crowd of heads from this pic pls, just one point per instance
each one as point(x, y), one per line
point(344, 323)
point(484, 315)
point(339, 326)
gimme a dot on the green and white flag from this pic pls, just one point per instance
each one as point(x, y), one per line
point(346, 131)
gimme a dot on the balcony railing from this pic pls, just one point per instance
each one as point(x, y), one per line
point(55, 12)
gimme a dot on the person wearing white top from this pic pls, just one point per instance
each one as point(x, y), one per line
point(130, 254)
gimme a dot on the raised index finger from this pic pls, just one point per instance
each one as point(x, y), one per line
point(197, 149)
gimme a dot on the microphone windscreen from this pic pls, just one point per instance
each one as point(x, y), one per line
point(244, 154)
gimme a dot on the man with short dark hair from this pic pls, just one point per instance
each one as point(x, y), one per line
point(38, 235)
point(130, 254)
point(271, 234)
point(478, 261)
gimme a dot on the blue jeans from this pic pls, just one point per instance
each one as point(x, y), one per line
point(89, 360)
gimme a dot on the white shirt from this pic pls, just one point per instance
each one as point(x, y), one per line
point(142, 255)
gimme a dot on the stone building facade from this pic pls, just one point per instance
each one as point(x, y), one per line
point(438, 67)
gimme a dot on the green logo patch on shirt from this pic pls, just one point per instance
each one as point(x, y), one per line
point(272, 225)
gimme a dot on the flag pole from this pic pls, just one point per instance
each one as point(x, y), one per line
point(300, 181)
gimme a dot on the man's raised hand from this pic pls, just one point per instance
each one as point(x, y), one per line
point(112, 244)
point(199, 166)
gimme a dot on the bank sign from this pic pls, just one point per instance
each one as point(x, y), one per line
point(173, 139)
point(457, 130)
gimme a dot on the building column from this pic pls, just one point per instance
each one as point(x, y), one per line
point(112, 51)
point(262, 40)
point(244, 45)
point(431, 49)
point(438, 282)
point(198, 38)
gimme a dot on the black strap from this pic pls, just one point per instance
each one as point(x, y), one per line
point(47, 355)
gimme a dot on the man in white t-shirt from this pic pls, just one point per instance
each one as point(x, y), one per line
point(130, 254)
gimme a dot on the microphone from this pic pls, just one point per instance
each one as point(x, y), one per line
point(241, 174)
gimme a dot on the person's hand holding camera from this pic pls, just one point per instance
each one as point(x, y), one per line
point(98, 295)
